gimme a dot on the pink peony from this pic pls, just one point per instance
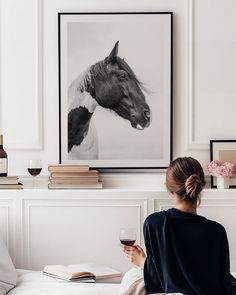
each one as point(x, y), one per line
point(212, 167)
point(217, 168)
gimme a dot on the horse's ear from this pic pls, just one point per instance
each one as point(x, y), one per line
point(113, 53)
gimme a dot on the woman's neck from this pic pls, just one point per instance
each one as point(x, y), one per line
point(185, 206)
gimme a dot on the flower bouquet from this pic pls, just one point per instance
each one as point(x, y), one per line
point(217, 168)
point(222, 171)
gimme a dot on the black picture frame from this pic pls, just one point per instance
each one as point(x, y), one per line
point(222, 150)
point(72, 29)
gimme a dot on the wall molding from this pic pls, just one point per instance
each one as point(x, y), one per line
point(28, 204)
point(190, 143)
point(39, 74)
point(22, 211)
point(37, 142)
point(0, 65)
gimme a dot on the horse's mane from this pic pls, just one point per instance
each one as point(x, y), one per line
point(77, 87)
point(100, 68)
point(88, 76)
point(82, 80)
point(125, 67)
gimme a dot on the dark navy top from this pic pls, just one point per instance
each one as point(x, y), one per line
point(186, 253)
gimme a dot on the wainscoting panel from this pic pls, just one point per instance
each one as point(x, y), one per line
point(42, 226)
point(75, 231)
point(162, 204)
point(223, 211)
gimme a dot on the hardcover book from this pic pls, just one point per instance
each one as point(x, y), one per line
point(90, 174)
point(68, 168)
point(86, 185)
point(9, 180)
point(74, 180)
point(11, 186)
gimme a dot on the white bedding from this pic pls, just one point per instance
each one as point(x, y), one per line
point(34, 283)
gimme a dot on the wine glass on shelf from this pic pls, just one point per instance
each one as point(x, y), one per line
point(34, 169)
point(127, 236)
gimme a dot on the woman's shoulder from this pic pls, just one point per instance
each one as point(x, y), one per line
point(215, 225)
point(154, 218)
point(158, 218)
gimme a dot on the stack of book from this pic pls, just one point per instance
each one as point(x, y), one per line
point(73, 177)
point(10, 182)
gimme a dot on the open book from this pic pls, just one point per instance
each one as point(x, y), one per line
point(81, 272)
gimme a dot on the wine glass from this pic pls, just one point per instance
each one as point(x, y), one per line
point(34, 169)
point(127, 236)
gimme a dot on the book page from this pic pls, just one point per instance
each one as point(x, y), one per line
point(100, 271)
point(65, 272)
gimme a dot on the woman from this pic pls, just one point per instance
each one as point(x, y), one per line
point(186, 253)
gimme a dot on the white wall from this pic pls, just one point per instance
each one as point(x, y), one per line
point(204, 73)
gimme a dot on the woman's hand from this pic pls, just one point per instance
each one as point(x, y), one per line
point(135, 254)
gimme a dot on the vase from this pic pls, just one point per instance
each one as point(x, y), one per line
point(222, 182)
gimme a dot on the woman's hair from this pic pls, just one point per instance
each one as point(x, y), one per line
point(185, 177)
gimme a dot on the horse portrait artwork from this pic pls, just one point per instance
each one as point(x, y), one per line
point(110, 84)
point(115, 89)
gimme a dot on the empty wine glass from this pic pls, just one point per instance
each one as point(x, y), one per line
point(127, 236)
point(34, 169)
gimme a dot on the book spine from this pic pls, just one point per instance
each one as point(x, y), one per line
point(89, 174)
point(68, 180)
point(75, 186)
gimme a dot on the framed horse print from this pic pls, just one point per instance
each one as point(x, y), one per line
point(115, 89)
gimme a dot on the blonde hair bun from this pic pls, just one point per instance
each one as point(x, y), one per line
point(193, 185)
point(185, 178)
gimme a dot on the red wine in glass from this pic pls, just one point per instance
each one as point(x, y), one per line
point(34, 171)
point(127, 242)
point(127, 236)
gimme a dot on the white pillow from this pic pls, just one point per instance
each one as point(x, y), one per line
point(8, 274)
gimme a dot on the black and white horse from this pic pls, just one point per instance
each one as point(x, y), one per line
point(111, 84)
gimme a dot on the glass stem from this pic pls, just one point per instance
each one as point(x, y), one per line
point(33, 181)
